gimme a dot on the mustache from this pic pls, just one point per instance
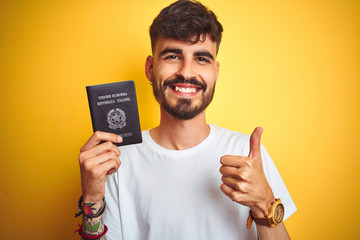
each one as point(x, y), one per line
point(181, 79)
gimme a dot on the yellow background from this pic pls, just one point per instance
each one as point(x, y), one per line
point(291, 67)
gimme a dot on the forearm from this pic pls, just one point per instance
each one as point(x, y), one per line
point(278, 232)
point(93, 226)
point(92, 221)
point(98, 158)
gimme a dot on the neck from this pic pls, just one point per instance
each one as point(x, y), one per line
point(178, 134)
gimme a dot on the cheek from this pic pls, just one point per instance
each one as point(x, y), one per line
point(164, 71)
point(209, 76)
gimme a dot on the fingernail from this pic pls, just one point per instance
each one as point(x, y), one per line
point(119, 138)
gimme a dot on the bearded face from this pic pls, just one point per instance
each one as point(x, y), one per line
point(183, 75)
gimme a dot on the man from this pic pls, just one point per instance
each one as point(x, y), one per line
point(188, 179)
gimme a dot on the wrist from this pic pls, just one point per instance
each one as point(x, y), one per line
point(273, 218)
point(90, 209)
point(92, 198)
point(95, 201)
point(93, 226)
point(262, 209)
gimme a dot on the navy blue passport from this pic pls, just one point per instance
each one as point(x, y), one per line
point(113, 108)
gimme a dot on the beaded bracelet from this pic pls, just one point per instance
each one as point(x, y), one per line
point(91, 237)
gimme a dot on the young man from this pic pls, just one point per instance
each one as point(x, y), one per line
point(188, 179)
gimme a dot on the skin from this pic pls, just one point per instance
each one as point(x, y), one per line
point(173, 133)
point(244, 182)
point(97, 161)
point(243, 177)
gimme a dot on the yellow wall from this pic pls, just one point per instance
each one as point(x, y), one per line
point(289, 66)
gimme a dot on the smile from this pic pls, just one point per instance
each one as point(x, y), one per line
point(185, 89)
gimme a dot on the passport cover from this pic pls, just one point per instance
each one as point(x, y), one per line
point(113, 108)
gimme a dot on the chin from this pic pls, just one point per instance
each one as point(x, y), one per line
point(184, 109)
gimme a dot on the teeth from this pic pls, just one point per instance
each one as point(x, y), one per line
point(185, 90)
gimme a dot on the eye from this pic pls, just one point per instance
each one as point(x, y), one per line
point(203, 59)
point(172, 57)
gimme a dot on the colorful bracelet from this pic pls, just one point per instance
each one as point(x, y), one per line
point(91, 237)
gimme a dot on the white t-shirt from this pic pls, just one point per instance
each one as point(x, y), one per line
point(159, 193)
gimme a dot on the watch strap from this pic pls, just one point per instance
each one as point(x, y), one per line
point(263, 221)
point(249, 221)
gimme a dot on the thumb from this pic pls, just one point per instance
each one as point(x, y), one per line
point(255, 142)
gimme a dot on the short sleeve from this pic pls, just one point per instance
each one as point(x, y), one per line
point(277, 184)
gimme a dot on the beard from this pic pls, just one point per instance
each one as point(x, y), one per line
point(184, 108)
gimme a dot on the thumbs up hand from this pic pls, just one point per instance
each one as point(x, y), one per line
point(244, 179)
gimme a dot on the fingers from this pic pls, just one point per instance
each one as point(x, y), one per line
point(235, 184)
point(91, 163)
point(99, 136)
point(226, 190)
point(236, 173)
point(108, 167)
point(236, 196)
point(232, 160)
point(99, 149)
point(94, 155)
point(231, 193)
point(255, 142)
point(111, 171)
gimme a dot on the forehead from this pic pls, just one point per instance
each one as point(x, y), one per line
point(203, 45)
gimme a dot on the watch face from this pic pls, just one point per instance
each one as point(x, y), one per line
point(279, 213)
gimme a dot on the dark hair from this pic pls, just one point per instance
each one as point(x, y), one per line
point(183, 20)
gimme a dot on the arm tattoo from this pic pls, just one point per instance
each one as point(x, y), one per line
point(88, 208)
point(92, 226)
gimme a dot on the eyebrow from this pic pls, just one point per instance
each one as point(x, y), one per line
point(179, 51)
point(170, 50)
point(205, 54)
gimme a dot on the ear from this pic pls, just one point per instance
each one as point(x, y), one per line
point(149, 67)
point(217, 70)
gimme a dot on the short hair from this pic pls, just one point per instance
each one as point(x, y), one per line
point(183, 20)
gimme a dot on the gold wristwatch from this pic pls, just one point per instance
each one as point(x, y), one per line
point(273, 218)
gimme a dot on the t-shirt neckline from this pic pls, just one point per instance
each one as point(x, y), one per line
point(155, 146)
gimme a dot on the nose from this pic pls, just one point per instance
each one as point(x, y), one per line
point(186, 70)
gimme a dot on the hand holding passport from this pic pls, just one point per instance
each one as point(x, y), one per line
point(114, 113)
point(113, 108)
